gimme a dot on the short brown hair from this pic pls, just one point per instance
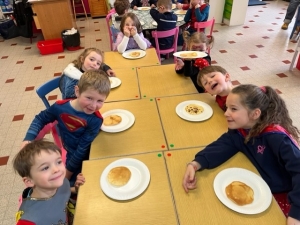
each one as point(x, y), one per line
point(121, 6)
point(135, 19)
point(96, 80)
point(24, 160)
point(166, 3)
point(207, 70)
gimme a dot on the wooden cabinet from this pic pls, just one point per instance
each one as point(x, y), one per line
point(98, 8)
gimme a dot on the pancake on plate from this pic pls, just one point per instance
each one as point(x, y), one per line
point(240, 193)
point(186, 55)
point(194, 109)
point(144, 8)
point(119, 176)
point(134, 54)
point(112, 120)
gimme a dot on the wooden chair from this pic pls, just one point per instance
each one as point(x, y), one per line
point(112, 31)
point(78, 3)
point(163, 34)
point(201, 26)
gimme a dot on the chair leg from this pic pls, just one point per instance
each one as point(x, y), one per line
point(84, 9)
point(74, 10)
point(293, 60)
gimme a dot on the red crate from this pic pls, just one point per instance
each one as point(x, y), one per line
point(50, 46)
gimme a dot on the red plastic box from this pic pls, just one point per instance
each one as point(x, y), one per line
point(50, 46)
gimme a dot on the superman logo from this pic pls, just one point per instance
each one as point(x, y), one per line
point(72, 123)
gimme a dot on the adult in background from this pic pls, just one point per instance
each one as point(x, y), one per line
point(290, 12)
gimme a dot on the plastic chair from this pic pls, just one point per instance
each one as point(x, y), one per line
point(296, 24)
point(163, 34)
point(202, 25)
point(42, 91)
point(113, 32)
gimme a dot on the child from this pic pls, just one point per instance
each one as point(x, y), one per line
point(190, 67)
point(198, 12)
point(140, 3)
point(43, 172)
point(261, 128)
point(166, 20)
point(216, 81)
point(89, 59)
point(79, 120)
point(131, 35)
point(121, 7)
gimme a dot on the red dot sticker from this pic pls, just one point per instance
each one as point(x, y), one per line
point(163, 146)
point(158, 99)
point(136, 96)
point(169, 154)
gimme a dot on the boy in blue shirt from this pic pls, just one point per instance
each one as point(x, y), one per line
point(79, 120)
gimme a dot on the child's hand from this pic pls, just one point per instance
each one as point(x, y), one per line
point(292, 221)
point(133, 31)
point(179, 6)
point(179, 64)
point(111, 73)
point(80, 180)
point(153, 6)
point(191, 5)
point(189, 180)
point(135, 7)
point(197, 6)
point(24, 143)
point(126, 31)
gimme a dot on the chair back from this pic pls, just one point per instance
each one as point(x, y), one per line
point(163, 34)
point(46, 88)
point(202, 25)
point(112, 31)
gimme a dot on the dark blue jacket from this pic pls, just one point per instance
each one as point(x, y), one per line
point(274, 154)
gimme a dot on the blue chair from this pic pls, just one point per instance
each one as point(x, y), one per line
point(46, 88)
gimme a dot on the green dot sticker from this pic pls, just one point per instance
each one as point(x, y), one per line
point(171, 145)
point(151, 99)
point(159, 154)
point(145, 96)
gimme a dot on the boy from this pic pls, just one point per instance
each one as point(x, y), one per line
point(216, 81)
point(143, 3)
point(79, 120)
point(48, 191)
point(121, 7)
point(166, 20)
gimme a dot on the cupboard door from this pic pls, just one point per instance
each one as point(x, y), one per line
point(98, 8)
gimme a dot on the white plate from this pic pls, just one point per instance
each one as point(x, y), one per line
point(189, 56)
point(127, 120)
point(142, 23)
point(114, 82)
point(127, 56)
point(180, 12)
point(179, 19)
point(139, 180)
point(206, 114)
point(154, 23)
point(144, 8)
point(262, 192)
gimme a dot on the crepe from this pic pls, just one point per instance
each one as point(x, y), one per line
point(144, 8)
point(194, 109)
point(134, 54)
point(186, 55)
point(112, 120)
point(119, 176)
point(240, 193)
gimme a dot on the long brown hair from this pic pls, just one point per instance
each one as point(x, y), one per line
point(198, 38)
point(135, 20)
point(79, 61)
point(272, 106)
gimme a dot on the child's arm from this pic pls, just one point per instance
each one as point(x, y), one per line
point(155, 14)
point(134, 4)
point(139, 38)
point(81, 152)
point(153, 3)
point(201, 15)
point(122, 42)
point(108, 70)
point(187, 16)
point(80, 180)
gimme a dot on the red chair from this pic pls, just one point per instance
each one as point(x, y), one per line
point(162, 34)
point(202, 25)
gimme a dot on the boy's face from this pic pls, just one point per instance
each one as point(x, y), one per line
point(92, 61)
point(89, 101)
point(48, 171)
point(215, 83)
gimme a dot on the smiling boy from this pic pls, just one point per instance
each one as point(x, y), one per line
point(79, 120)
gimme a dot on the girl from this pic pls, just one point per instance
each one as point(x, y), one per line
point(260, 127)
point(131, 35)
point(89, 59)
point(198, 11)
point(198, 41)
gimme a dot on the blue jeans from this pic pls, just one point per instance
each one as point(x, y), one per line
point(290, 12)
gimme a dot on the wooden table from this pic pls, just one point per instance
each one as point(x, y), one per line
point(154, 206)
point(116, 61)
point(201, 206)
point(157, 81)
point(185, 134)
point(129, 88)
point(146, 134)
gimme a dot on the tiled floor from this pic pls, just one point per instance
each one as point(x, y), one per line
point(258, 52)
